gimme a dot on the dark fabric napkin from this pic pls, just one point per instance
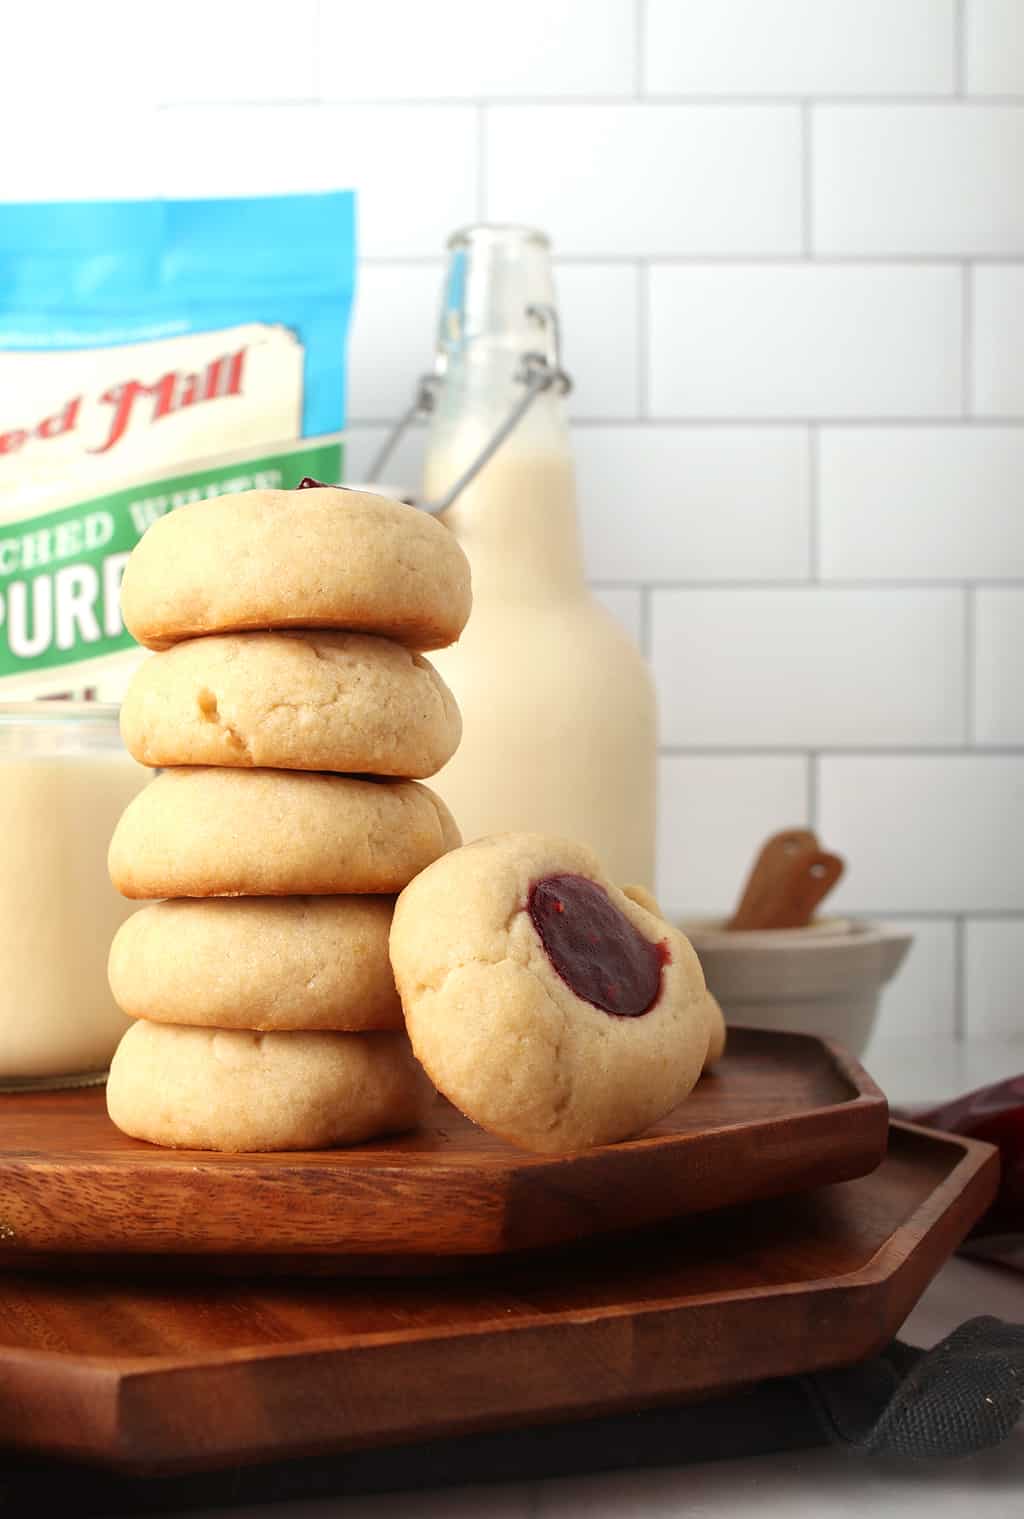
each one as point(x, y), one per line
point(963, 1396)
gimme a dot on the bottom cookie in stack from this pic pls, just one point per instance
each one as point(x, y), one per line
point(227, 1089)
point(263, 1024)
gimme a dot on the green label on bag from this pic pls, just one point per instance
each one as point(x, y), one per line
point(60, 572)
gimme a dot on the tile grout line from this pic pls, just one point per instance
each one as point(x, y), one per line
point(318, 51)
point(636, 583)
point(727, 258)
point(959, 979)
point(842, 751)
point(712, 583)
point(481, 161)
point(621, 99)
point(970, 644)
point(967, 341)
point(646, 615)
point(753, 423)
point(806, 177)
point(814, 504)
point(960, 49)
point(946, 915)
point(643, 345)
point(640, 44)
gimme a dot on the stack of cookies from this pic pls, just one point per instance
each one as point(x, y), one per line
point(292, 715)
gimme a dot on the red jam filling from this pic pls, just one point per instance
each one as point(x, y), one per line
point(594, 947)
point(308, 483)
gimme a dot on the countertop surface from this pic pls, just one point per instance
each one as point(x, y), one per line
point(816, 1484)
point(918, 1070)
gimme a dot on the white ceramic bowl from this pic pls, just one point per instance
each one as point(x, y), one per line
point(825, 979)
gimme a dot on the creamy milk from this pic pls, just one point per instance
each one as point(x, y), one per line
point(557, 704)
point(58, 911)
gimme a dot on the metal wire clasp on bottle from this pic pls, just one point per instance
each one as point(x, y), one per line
point(537, 372)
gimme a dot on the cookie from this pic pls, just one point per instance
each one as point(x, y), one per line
point(264, 963)
point(643, 898)
point(292, 701)
point(211, 1089)
point(713, 1013)
point(208, 832)
point(321, 558)
point(716, 1030)
point(543, 1003)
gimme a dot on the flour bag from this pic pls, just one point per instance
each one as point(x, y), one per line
point(152, 353)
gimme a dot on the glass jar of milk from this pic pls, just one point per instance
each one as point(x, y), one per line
point(558, 705)
point(65, 779)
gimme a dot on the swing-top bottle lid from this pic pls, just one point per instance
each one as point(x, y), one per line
point(496, 276)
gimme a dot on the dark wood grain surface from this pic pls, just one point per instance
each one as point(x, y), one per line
point(781, 1113)
point(157, 1376)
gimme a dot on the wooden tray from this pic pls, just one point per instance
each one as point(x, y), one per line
point(152, 1377)
point(781, 1113)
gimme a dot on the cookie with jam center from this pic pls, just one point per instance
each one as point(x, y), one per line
point(712, 1011)
point(548, 1006)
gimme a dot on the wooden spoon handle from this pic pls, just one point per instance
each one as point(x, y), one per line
point(807, 879)
point(757, 904)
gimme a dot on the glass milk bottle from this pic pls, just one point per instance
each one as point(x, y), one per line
point(65, 779)
point(558, 705)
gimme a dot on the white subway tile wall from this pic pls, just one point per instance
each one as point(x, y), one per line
point(809, 668)
point(790, 257)
point(714, 810)
point(599, 305)
point(800, 47)
point(392, 338)
point(89, 157)
point(997, 305)
point(940, 179)
point(54, 41)
point(667, 179)
point(626, 605)
point(671, 504)
point(459, 50)
point(922, 999)
point(238, 149)
point(940, 833)
point(921, 503)
point(994, 973)
point(805, 340)
point(994, 63)
point(248, 52)
point(396, 326)
point(999, 645)
point(362, 444)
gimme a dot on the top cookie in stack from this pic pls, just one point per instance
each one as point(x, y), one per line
point(293, 716)
point(297, 559)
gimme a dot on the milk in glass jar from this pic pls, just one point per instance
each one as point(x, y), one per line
point(557, 702)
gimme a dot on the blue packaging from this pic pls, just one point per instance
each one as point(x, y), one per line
point(152, 353)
